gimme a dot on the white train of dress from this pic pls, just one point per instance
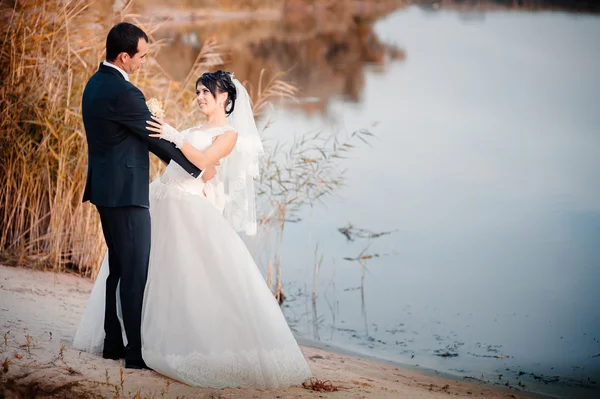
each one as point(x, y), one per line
point(209, 318)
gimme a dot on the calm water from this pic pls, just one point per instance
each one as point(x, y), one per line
point(487, 162)
point(486, 165)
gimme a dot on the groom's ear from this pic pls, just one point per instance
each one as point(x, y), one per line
point(123, 57)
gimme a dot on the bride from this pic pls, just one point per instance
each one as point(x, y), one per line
point(208, 317)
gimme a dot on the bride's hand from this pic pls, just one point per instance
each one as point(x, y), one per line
point(165, 132)
point(155, 126)
point(209, 173)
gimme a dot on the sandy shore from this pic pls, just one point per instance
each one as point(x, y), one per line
point(39, 313)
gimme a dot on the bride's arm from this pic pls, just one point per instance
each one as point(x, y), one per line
point(220, 148)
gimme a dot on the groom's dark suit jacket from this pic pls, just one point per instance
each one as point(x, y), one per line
point(115, 114)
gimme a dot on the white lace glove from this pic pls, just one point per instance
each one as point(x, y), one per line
point(170, 134)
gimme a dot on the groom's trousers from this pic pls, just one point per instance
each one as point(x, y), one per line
point(127, 234)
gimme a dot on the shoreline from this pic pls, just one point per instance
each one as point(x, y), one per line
point(39, 312)
point(426, 371)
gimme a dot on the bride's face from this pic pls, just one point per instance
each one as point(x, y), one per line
point(207, 103)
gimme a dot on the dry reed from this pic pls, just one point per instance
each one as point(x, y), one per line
point(49, 51)
point(46, 61)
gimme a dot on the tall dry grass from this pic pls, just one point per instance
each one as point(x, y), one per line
point(49, 51)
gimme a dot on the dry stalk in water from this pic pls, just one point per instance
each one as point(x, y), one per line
point(298, 175)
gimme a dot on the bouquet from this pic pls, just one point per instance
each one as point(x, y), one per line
point(156, 108)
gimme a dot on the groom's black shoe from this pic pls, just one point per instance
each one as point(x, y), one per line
point(136, 364)
point(113, 353)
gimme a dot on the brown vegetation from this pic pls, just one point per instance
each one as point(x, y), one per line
point(49, 51)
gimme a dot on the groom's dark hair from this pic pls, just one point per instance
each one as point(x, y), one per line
point(123, 37)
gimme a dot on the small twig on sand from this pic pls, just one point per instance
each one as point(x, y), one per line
point(122, 379)
point(28, 344)
point(314, 384)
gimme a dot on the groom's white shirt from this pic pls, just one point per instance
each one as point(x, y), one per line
point(125, 75)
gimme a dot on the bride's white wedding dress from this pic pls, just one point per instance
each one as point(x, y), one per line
point(209, 318)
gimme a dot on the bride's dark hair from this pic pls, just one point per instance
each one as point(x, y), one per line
point(220, 82)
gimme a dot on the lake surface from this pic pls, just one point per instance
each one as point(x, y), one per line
point(485, 167)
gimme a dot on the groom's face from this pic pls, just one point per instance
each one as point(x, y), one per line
point(134, 63)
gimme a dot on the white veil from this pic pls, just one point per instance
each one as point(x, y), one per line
point(241, 166)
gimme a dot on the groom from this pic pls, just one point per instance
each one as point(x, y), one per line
point(114, 115)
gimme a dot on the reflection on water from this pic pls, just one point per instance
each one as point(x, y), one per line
point(487, 162)
point(324, 55)
point(485, 167)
